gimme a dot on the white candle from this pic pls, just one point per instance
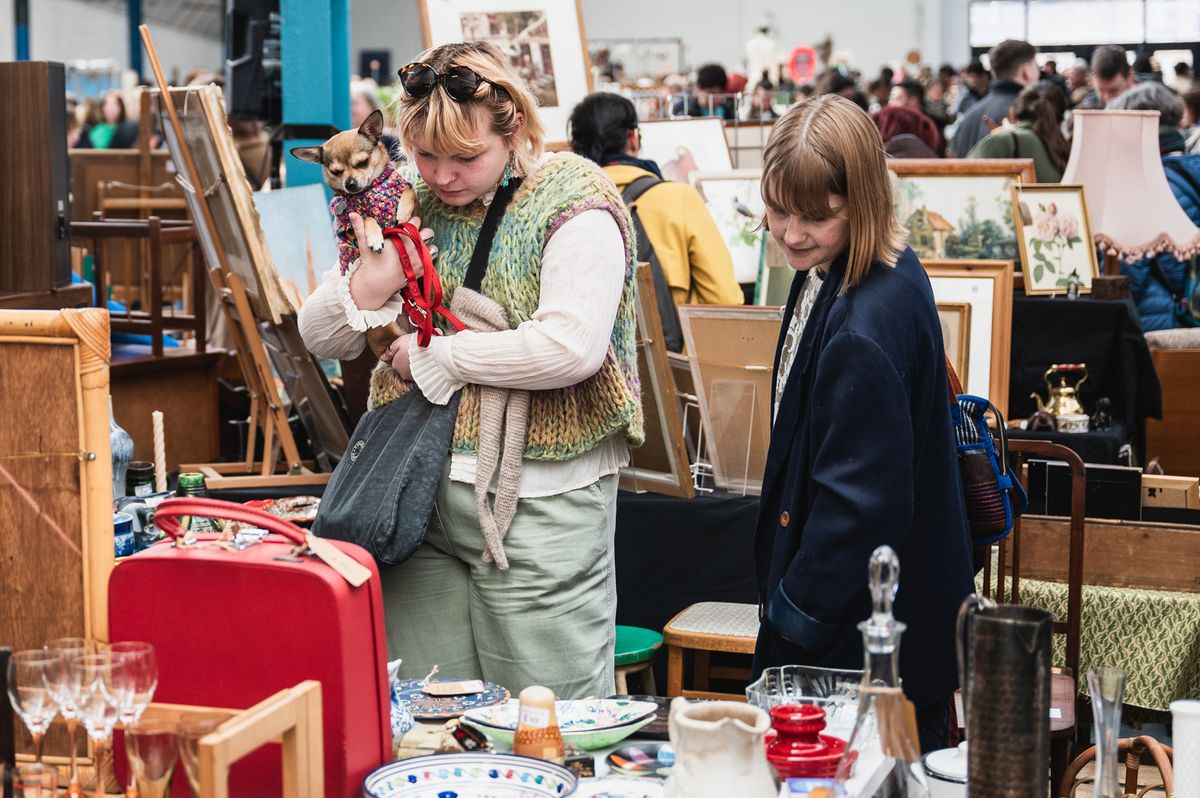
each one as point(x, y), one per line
point(160, 453)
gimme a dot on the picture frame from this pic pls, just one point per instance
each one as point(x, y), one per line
point(237, 244)
point(661, 464)
point(734, 199)
point(639, 57)
point(959, 209)
point(731, 351)
point(544, 39)
point(987, 286)
point(1054, 237)
point(775, 276)
point(682, 147)
point(956, 335)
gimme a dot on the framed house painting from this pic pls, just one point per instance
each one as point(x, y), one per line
point(1054, 237)
point(986, 289)
point(734, 200)
point(543, 39)
point(683, 147)
point(959, 209)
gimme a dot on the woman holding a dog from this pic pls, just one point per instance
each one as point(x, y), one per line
point(537, 605)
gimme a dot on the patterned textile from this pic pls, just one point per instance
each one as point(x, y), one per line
point(563, 423)
point(791, 341)
point(1152, 634)
point(379, 201)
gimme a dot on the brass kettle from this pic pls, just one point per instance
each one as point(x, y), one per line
point(1064, 399)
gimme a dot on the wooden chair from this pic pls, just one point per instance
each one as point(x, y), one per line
point(1134, 749)
point(704, 628)
point(1063, 694)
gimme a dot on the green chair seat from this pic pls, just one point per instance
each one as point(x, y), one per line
point(635, 645)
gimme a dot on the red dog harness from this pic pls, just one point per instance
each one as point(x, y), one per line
point(420, 307)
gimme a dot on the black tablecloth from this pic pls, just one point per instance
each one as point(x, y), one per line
point(1106, 335)
point(1102, 447)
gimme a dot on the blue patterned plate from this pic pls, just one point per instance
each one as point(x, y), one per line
point(430, 707)
point(474, 775)
point(618, 787)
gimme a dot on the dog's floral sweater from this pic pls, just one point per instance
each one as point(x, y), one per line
point(379, 200)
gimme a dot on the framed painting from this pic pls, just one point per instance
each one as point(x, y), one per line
point(731, 351)
point(682, 147)
point(955, 318)
point(987, 287)
point(1054, 237)
point(543, 39)
point(299, 233)
point(734, 200)
point(235, 242)
point(959, 209)
point(775, 276)
point(661, 464)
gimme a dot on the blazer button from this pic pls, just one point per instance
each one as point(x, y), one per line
point(784, 519)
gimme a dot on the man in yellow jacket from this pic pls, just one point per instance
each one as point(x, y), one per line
point(694, 257)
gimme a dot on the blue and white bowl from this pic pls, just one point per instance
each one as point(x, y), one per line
point(470, 775)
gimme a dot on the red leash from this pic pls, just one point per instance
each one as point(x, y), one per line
point(420, 308)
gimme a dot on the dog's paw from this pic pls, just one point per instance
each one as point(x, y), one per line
point(376, 246)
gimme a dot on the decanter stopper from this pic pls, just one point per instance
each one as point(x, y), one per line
point(884, 579)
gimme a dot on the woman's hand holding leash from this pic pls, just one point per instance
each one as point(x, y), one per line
point(381, 274)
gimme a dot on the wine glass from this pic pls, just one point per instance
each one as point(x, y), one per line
point(193, 726)
point(99, 677)
point(30, 693)
point(65, 690)
point(135, 687)
point(151, 745)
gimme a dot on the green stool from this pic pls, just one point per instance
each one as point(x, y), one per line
point(636, 651)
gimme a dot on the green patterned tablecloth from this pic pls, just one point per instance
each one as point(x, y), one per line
point(1154, 635)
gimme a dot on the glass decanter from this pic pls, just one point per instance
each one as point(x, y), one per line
point(122, 452)
point(883, 757)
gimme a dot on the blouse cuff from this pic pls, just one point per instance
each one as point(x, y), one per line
point(362, 320)
point(433, 370)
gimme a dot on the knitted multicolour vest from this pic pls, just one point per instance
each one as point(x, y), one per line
point(566, 422)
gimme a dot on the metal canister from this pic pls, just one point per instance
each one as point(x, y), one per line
point(1005, 673)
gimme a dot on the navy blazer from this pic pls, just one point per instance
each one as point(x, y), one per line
point(862, 454)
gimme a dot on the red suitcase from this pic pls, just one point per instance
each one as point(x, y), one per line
point(233, 627)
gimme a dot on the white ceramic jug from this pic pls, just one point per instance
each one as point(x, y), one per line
point(719, 751)
point(1185, 716)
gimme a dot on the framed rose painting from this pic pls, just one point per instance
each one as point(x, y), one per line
point(1054, 238)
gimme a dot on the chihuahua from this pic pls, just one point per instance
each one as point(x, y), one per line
point(360, 171)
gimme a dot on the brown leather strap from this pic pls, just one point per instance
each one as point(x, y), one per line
point(955, 384)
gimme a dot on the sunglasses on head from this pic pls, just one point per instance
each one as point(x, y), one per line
point(459, 82)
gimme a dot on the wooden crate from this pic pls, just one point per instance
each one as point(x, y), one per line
point(1116, 553)
point(1176, 439)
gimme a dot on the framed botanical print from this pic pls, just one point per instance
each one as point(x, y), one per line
point(1054, 237)
point(734, 200)
point(683, 147)
point(543, 39)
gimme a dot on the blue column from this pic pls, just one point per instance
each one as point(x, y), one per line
point(135, 38)
point(316, 73)
point(21, 29)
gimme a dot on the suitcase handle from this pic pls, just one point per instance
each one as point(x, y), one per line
point(166, 517)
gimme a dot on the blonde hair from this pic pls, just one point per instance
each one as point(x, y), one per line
point(450, 127)
point(828, 145)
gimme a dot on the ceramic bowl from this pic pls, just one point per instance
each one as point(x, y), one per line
point(619, 787)
point(587, 724)
point(474, 775)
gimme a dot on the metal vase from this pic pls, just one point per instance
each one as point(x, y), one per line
point(1005, 673)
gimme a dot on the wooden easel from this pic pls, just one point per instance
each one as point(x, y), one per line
point(266, 409)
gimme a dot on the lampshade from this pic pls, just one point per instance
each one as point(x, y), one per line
point(1134, 214)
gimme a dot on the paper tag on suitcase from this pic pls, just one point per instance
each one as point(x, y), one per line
point(347, 567)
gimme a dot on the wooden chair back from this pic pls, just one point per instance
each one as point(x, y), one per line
point(1009, 561)
point(1134, 750)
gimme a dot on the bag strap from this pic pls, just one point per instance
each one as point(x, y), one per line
point(638, 187)
point(477, 268)
point(955, 383)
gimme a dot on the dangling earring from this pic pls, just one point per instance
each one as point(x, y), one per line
point(508, 173)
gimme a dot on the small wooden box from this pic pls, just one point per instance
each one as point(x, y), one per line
point(1181, 493)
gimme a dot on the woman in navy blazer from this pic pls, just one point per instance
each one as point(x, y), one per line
point(862, 452)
